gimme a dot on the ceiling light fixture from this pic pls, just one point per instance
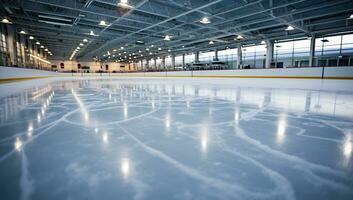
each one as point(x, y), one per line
point(211, 42)
point(6, 21)
point(290, 28)
point(38, 43)
point(205, 20)
point(81, 44)
point(124, 4)
point(85, 40)
point(103, 23)
point(42, 47)
point(351, 16)
point(240, 37)
point(22, 32)
point(263, 42)
point(31, 37)
point(91, 33)
point(167, 38)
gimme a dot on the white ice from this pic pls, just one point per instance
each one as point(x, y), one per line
point(174, 138)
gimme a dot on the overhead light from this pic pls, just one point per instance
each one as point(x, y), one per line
point(121, 48)
point(91, 33)
point(56, 23)
point(114, 50)
point(159, 49)
point(55, 18)
point(152, 45)
point(38, 43)
point(78, 48)
point(6, 21)
point(81, 44)
point(211, 42)
point(124, 4)
point(85, 40)
point(240, 37)
point(147, 49)
point(263, 42)
point(22, 32)
point(169, 50)
point(167, 38)
point(290, 28)
point(42, 47)
point(205, 20)
point(31, 37)
point(351, 17)
point(102, 23)
point(46, 50)
point(151, 53)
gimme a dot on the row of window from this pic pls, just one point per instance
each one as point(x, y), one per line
point(329, 51)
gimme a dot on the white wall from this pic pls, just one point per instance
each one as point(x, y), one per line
point(329, 72)
point(13, 72)
point(94, 66)
point(313, 72)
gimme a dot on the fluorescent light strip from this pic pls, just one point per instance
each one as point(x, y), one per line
point(55, 18)
point(54, 23)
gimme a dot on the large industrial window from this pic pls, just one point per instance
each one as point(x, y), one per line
point(189, 59)
point(179, 62)
point(168, 62)
point(3, 48)
point(334, 50)
point(159, 63)
point(206, 56)
point(254, 56)
point(294, 53)
point(228, 56)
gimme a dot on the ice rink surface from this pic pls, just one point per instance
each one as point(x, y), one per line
point(167, 139)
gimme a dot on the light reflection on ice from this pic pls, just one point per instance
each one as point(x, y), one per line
point(125, 167)
point(281, 129)
point(224, 139)
point(30, 129)
point(105, 138)
point(126, 114)
point(347, 146)
point(18, 144)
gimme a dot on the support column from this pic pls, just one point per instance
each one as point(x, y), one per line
point(269, 53)
point(183, 60)
point(312, 52)
point(155, 63)
point(141, 65)
point(173, 62)
point(163, 63)
point(11, 42)
point(215, 55)
point(240, 56)
point(23, 50)
point(147, 64)
point(197, 55)
point(30, 52)
point(37, 53)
